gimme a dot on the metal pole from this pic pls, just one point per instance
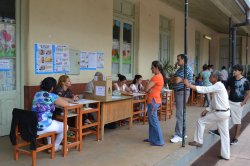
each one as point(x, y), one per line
point(234, 45)
point(247, 49)
point(185, 71)
point(246, 68)
point(230, 44)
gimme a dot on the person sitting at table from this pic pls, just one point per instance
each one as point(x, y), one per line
point(44, 105)
point(136, 85)
point(62, 88)
point(90, 85)
point(121, 86)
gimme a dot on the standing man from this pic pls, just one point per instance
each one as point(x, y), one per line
point(218, 113)
point(177, 80)
point(224, 74)
point(239, 93)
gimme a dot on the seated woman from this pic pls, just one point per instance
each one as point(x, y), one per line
point(44, 105)
point(136, 85)
point(121, 86)
point(63, 90)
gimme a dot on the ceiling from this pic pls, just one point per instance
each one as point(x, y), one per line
point(213, 13)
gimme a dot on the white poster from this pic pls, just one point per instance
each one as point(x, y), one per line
point(100, 90)
point(100, 60)
point(5, 65)
point(92, 60)
point(84, 60)
point(61, 59)
point(88, 60)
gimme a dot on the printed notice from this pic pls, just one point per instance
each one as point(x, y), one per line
point(61, 59)
point(100, 60)
point(84, 60)
point(100, 90)
point(5, 65)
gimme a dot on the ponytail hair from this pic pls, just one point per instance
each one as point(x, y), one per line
point(121, 77)
point(157, 64)
point(137, 77)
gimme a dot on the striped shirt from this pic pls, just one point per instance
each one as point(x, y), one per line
point(180, 73)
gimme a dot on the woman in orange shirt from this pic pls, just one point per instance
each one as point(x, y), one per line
point(153, 89)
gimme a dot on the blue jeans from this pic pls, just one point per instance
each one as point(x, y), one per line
point(155, 133)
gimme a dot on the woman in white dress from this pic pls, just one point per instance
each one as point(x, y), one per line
point(136, 85)
point(121, 85)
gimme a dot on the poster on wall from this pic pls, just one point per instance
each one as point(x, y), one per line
point(88, 60)
point(61, 59)
point(100, 60)
point(5, 65)
point(84, 60)
point(44, 58)
point(7, 75)
point(92, 60)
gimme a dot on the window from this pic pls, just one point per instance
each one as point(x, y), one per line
point(123, 45)
point(164, 50)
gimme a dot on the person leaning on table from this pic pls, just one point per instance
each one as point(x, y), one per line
point(44, 105)
point(218, 113)
point(154, 87)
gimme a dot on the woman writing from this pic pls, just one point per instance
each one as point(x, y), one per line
point(121, 85)
point(136, 85)
point(44, 105)
point(153, 89)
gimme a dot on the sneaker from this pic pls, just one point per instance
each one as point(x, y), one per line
point(181, 137)
point(234, 141)
point(176, 139)
point(195, 144)
point(215, 132)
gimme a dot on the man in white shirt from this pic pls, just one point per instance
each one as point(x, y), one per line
point(224, 75)
point(217, 113)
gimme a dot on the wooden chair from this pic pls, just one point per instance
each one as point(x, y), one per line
point(168, 106)
point(20, 145)
point(140, 102)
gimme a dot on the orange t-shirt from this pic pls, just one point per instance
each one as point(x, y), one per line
point(156, 89)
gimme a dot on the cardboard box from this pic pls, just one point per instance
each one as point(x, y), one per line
point(103, 88)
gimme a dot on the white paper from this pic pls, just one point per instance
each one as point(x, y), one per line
point(100, 60)
point(100, 90)
point(92, 60)
point(5, 64)
point(84, 60)
point(61, 61)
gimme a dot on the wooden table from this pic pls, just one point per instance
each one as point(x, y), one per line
point(120, 107)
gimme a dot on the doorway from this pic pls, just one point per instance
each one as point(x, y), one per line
point(10, 67)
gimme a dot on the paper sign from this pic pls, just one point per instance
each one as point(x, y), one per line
point(100, 90)
point(61, 61)
point(5, 65)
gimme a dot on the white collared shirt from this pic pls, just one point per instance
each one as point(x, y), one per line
point(219, 96)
